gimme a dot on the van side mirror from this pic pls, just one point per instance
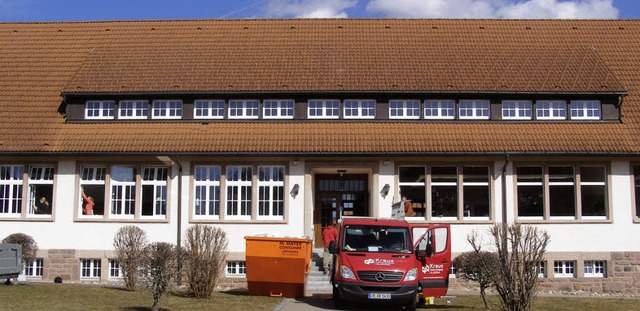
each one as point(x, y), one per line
point(332, 247)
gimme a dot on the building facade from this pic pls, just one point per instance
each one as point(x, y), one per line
point(276, 126)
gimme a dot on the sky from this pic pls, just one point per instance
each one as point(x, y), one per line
point(93, 10)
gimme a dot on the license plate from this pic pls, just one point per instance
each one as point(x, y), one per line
point(379, 296)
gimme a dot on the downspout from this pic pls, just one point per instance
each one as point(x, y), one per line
point(504, 188)
point(176, 161)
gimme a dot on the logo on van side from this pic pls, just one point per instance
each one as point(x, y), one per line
point(434, 268)
point(379, 262)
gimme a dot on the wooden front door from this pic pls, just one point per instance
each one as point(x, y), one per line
point(338, 196)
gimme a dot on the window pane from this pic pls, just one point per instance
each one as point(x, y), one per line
point(530, 190)
point(401, 109)
point(562, 200)
point(207, 190)
point(593, 201)
point(208, 109)
point(444, 201)
point(275, 109)
point(412, 174)
point(359, 109)
point(439, 109)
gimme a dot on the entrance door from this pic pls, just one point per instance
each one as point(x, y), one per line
point(338, 196)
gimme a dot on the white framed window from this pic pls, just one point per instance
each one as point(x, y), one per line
point(439, 109)
point(563, 269)
point(167, 109)
point(636, 189)
point(594, 269)
point(562, 192)
point(474, 109)
point(542, 269)
point(243, 109)
point(359, 109)
point(133, 109)
point(593, 191)
point(475, 192)
point(551, 110)
point(412, 182)
point(236, 268)
point(154, 191)
point(11, 177)
point(530, 192)
point(516, 110)
point(323, 109)
point(99, 109)
point(115, 271)
point(277, 109)
point(207, 191)
point(34, 268)
point(271, 194)
point(444, 191)
point(208, 109)
point(89, 269)
point(572, 192)
point(92, 186)
point(585, 110)
point(404, 109)
point(123, 191)
point(41, 190)
point(239, 192)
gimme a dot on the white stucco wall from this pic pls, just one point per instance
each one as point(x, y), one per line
point(66, 232)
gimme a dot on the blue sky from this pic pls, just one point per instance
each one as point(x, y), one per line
point(84, 10)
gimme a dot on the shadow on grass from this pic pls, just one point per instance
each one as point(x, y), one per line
point(143, 309)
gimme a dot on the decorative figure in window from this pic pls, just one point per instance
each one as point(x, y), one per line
point(42, 206)
point(88, 204)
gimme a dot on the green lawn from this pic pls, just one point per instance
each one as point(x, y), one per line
point(79, 297)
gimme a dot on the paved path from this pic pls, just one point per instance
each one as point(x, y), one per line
point(322, 302)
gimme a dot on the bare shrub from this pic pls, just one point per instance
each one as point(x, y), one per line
point(130, 243)
point(520, 250)
point(29, 246)
point(479, 267)
point(161, 267)
point(205, 252)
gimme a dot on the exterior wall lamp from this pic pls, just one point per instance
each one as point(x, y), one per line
point(385, 191)
point(294, 190)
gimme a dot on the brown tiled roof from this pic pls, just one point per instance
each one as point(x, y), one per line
point(39, 62)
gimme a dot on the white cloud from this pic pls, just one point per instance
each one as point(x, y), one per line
point(494, 8)
point(309, 8)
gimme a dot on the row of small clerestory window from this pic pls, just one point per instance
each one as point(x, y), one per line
point(91, 269)
point(351, 109)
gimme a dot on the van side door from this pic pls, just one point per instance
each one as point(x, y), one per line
point(432, 243)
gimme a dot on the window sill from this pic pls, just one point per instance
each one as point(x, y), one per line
point(239, 221)
point(121, 220)
point(27, 218)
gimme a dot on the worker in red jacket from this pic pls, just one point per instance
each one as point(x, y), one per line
point(330, 233)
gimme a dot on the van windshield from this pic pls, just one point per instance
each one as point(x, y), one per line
point(358, 238)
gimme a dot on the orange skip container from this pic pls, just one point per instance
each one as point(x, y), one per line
point(277, 267)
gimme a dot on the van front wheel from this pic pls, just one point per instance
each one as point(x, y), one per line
point(337, 300)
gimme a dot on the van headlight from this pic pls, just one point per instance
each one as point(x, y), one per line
point(346, 273)
point(412, 275)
